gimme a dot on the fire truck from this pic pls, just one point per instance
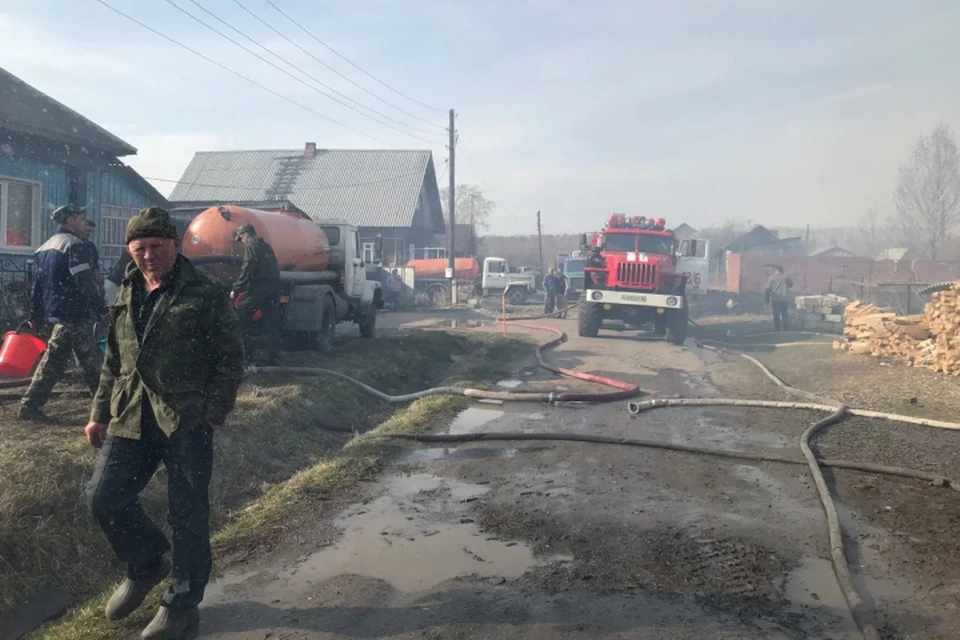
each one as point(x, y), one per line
point(639, 272)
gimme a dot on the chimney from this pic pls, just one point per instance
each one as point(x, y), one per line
point(310, 150)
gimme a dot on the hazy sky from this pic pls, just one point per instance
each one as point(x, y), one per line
point(780, 111)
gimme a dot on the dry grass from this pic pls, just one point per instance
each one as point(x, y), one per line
point(269, 457)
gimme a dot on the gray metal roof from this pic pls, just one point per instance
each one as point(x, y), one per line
point(28, 110)
point(368, 188)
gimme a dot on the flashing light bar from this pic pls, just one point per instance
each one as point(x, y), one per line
point(620, 221)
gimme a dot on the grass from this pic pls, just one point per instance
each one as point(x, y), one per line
point(272, 461)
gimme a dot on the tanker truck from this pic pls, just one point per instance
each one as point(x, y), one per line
point(494, 278)
point(322, 275)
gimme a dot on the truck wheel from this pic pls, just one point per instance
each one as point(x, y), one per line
point(368, 325)
point(677, 323)
point(516, 295)
point(660, 324)
point(328, 327)
point(591, 315)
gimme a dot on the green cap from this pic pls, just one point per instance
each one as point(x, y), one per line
point(153, 222)
point(62, 214)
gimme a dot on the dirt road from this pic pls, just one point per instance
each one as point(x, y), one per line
point(546, 540)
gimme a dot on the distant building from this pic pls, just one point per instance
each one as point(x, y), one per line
point(392, 194)
point(898, 254)
point(833, 252)
point(686, 231)
point(51, 155)
point(763, 240)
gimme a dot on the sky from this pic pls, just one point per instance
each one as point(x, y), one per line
point(785, 112)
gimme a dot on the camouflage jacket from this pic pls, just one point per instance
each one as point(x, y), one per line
point(188, 365)
point(259, 268)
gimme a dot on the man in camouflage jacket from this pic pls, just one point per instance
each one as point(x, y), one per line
point(173, 364)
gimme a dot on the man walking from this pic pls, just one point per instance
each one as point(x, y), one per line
point(778, 294)
point(173, 364)
point(549, 291)
point(561, 280)
point(66, 295)
point(259, 279)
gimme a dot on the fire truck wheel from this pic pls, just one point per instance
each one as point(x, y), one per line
point(516, 295)
point(368, 326)
point(677, 323)
point(660, 324)
point(590, 318)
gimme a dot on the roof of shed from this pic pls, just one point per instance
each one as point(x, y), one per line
point(368, 188)
point(28, 110)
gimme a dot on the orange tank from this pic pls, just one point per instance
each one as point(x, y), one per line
point(300, 245)
point(436, 268)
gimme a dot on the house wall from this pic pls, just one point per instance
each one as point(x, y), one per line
point(397, 241)
point(746, 273)
point(54, 190)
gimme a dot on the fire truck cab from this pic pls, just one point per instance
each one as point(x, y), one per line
point(639, 272)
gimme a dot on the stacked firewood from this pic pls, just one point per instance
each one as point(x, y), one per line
point(942, 316)
point(868, 330)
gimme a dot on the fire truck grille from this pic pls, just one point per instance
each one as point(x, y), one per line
point(637, 274)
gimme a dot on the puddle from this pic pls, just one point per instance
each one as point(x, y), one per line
point(415, 537)
point(813, 584)
point(472, 419)
point(510, 384)
point(466, 324)
point(433, 454)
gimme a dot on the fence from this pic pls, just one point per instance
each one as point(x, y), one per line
point(902, 298)
point(16, 280)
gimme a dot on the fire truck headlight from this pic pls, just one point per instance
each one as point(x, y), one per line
point(672, 301)
point(596, 295)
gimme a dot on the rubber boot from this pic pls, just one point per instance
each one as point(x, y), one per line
point(173, 624)
point(29, 413)
point(131, 594)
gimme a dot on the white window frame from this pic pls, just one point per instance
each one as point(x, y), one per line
point(368, 258)
point(113, 216)
point(36, 222)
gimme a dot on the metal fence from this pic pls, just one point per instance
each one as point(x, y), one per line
point(901, 298)
point(16, 280)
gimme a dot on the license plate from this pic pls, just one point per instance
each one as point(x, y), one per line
point(628, 297)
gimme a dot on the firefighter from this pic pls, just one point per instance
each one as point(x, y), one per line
point(66, 296)
point(777, 295)
point(259, 279)
point(561, 280)
point(549, 291)
point(173, 364)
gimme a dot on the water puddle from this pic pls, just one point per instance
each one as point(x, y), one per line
point(466, 324)
point(469, 420)
point(814, 585)
point(509, 384)
point(416, 536)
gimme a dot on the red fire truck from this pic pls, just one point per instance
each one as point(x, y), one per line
point(639, 272)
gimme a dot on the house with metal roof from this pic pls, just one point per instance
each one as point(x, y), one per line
point(388, 193)
point(51, 155)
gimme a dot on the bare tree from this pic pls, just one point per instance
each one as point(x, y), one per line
point(870, 233)
point(472, 206)
point(928, 192)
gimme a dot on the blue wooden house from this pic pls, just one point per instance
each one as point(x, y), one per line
point(51, 155)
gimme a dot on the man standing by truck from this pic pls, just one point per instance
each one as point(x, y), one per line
point(778, 294)
point(66, 295)
point(549, 291)
point(259, 279)
point(173, 364)
point(561, 286)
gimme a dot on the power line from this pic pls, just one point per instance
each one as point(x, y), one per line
point(301, 70)
point(239, 75)
point(284, 71)
point(476, 167)
point(348, 79)
point(350, 62)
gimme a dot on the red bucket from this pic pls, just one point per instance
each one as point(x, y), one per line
point(19, 353)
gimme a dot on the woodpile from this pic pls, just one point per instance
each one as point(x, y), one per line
point(942, 315)
point(930, 339)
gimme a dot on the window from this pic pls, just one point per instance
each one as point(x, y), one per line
point(333, 235)
point(620, 242)
point(113, 229)
point(369, 249)
point(656, 244)
point(497, 266)
point(691, 248)
point(19, 213)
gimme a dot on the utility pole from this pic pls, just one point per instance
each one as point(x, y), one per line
point(540, 244)
point(451, 257)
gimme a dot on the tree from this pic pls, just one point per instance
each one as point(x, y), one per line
point(472, 206)
point(928, 192)
point(870, 233)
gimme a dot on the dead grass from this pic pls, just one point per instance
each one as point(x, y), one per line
point(269, 459)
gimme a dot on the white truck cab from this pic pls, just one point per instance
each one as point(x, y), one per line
point(498, 280)
point(693, 261)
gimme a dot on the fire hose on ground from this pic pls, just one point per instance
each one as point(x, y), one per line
point(623, 390)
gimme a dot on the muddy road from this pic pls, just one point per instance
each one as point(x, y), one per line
point(558, 540)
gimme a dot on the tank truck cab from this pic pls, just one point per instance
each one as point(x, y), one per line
point(497, 279)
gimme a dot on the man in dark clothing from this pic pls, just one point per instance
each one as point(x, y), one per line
point(259, 279)
point(561, 280)
point(173, 364)
point(549, 291)
point(778, 295)
point(66, 295)
point(115, 277)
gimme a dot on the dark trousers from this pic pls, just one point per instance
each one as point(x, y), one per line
point(268, 326)
point(66, 340)
point(780, 316)
point(549, 302)
point(123, 469)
